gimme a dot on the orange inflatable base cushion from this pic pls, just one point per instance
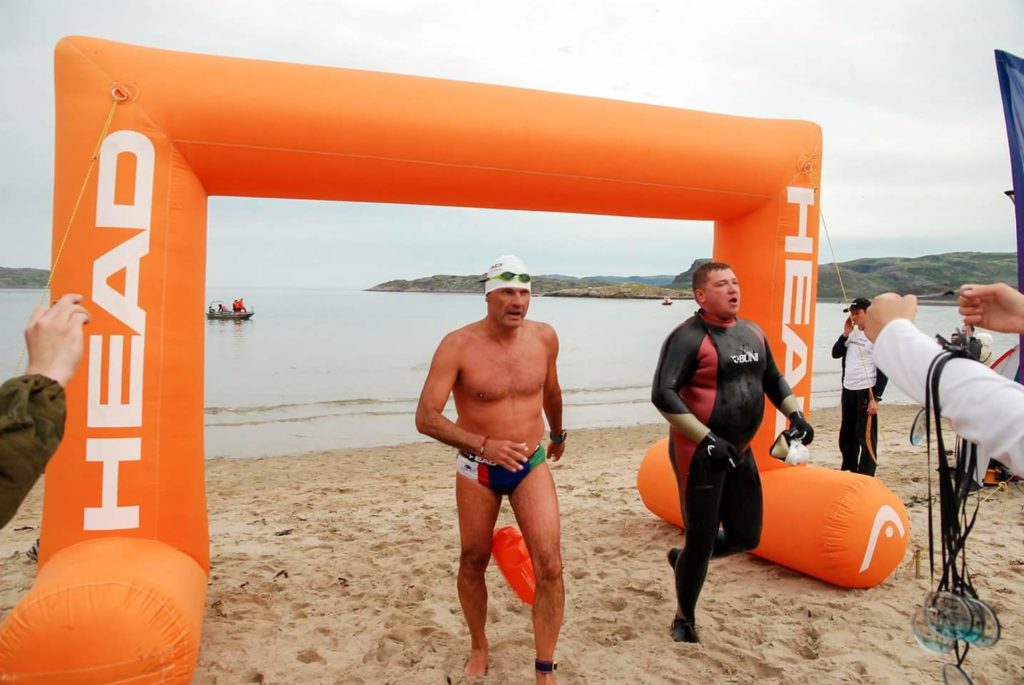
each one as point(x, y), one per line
point(513, 559)
point(108, 610)
point(846, 529)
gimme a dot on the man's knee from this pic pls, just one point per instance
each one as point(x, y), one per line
point(745, 540)
point(473, 562)
point(548, 567)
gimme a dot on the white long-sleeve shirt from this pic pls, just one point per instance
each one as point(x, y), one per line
point(859, 370)
point(983, 407)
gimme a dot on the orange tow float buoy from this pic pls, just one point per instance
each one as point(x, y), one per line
point(513, 559)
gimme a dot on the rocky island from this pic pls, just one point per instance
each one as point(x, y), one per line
point(933, 278)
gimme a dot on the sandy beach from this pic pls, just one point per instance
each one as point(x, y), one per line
point(339, 567)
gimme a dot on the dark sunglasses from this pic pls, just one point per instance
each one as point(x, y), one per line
point(509, 276)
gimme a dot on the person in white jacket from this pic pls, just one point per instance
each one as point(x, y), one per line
point(982, 406)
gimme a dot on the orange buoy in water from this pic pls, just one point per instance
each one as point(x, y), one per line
point(513, 559)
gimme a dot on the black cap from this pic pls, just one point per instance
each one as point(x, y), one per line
point(859, 303)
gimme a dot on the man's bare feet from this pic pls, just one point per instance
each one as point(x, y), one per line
point(476, 667)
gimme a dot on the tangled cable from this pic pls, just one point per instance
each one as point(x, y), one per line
point(952, 617)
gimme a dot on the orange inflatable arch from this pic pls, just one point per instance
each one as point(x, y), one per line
point(124, 556)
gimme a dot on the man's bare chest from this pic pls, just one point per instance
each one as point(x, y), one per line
point(497, 376)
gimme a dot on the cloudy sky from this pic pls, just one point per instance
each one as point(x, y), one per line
point(915, 151)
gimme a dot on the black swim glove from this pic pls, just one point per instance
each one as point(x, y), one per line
point(722, 454)
point(800, 428)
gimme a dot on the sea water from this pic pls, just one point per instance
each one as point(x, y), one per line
point(326, 369)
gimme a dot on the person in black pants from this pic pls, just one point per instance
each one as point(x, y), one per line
point(863, 385)
point(712, 377)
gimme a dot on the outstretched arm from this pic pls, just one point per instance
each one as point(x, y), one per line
point(32, 407)
point(997, 307)
point(982, 406)
point(31, 426)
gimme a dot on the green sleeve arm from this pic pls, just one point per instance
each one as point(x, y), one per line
point(32, 413)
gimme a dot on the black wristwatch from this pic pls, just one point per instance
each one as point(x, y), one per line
point(559, 438)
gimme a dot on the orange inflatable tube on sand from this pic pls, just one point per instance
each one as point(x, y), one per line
point(513, 559)
point(139, 595)
point(844, 528)
point(129, 231)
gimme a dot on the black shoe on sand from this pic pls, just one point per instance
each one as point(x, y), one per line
point(684, 631)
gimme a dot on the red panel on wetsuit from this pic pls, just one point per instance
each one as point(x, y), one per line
point(699, 397)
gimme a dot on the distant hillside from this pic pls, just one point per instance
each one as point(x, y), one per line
point(623, 290)
point(660, 279)
point(23, 278)
point(685, 279)
point(444, 283)
point(551, 286)
point(929, 276)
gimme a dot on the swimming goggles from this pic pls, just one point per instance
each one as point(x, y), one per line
point(508, 276)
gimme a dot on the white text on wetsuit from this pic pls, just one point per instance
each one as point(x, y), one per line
point(796, 302)
point(116, 410)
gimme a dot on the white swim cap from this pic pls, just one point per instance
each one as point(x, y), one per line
point(507, 271)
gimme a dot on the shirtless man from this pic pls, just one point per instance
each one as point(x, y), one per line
point(502, 373)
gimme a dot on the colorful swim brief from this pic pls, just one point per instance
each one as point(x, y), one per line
point(499, 479)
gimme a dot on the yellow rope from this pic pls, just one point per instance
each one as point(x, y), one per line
point(118, 96)
point(1001, 487)
point(867, 432)
point(846, 299)
point(835, 260)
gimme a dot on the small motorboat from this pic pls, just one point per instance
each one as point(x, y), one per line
point(667, 301)
point(218, 311)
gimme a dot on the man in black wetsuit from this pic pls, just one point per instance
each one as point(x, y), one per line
point(712, 376)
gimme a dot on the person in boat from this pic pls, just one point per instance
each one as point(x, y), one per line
point(502, 373)
point(711, 380)
point(32, 407)
point(241, 305)
point(236, 307)
point(983, 407)
point(221, 308)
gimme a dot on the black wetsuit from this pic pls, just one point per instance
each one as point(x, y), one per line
point(720, 374)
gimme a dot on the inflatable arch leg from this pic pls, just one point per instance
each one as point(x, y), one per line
point(115, 610)
point(124, 515)
point(844, 528)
